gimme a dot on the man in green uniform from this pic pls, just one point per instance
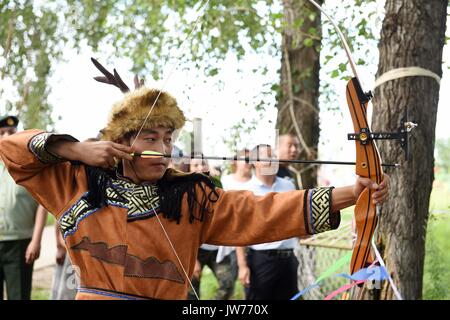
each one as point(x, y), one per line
point(21, 226)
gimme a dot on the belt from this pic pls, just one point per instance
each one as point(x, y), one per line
point(281, 253)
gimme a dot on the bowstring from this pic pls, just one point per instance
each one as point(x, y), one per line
point(353, 67)
point(173, 68)
point(341, 37)
point(176, 254)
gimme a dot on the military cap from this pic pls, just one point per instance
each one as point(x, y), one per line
point(8, 121)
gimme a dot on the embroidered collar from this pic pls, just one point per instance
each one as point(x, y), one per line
point(141, 201)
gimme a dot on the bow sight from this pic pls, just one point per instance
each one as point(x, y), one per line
point(402, 135)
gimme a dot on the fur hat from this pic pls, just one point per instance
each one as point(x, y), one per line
point(133, 111)
point(129, 114)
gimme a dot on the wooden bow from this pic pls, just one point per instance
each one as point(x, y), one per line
point(368, 161)
point(368, 165)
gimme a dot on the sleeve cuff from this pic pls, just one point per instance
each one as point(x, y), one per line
point(317, 210)
point(38, 146)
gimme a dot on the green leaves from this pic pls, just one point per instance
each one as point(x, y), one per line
point(342, 67)
point(34, 36)
point(308, 42)
point(358, 22)
point(213, 72)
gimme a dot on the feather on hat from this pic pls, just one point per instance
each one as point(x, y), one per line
point(129, 114)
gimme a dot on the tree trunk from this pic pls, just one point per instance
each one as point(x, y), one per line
point(412, 35)
point(299, 90)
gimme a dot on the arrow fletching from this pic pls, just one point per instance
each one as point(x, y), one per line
point(148, 154)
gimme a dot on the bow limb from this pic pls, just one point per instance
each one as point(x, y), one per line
point(368, 161)
point(341, 37)
point(368, 165)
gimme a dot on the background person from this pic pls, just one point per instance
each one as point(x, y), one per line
point(22, 222)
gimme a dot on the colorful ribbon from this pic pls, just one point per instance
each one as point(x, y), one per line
point(373, 273)
point(326, 274)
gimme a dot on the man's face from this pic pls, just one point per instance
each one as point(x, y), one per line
point(243, 166)
point(7, 131)
point(288, 147)
point(150, 169)
point(199, 166)
point(264, 167)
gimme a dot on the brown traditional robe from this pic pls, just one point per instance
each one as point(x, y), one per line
point(121, 250)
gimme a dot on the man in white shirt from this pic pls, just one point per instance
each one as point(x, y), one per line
point(241, 173)
point(289, 149)
point(268, 271)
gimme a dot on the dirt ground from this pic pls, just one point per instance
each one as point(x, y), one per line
point(42, 283)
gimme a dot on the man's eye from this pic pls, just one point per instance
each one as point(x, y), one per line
point(169, 140)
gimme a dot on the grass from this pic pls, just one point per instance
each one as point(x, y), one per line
point(50, 220)
point(437, 253)
point(209, 285)
point(40, 294)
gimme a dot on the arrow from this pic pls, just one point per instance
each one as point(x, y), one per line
point(154, 155)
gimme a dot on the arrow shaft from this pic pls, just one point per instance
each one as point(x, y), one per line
point(347, 163)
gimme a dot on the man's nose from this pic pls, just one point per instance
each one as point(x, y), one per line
point(159, 147)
